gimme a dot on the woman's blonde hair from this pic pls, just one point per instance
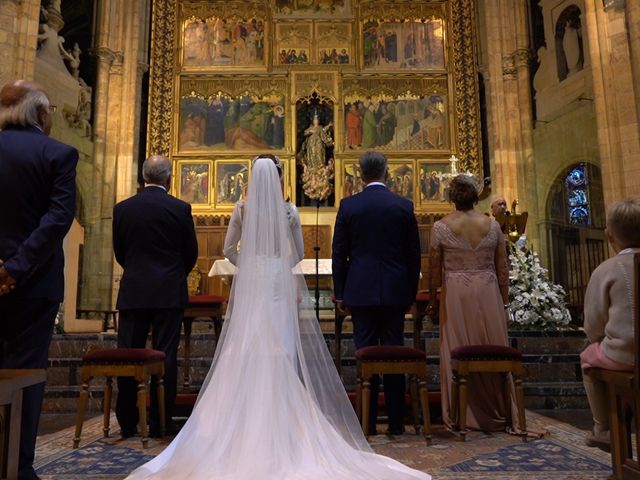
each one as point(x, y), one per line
point(623, 220)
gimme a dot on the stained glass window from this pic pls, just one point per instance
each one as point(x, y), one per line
point(577, 188)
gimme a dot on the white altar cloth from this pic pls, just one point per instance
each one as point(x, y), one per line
point(306, 267)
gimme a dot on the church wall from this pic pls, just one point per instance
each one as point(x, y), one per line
point(18, 38)
point(614, 47)
point(569, 139)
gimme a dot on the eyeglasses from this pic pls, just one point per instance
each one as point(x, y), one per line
point(53, 108)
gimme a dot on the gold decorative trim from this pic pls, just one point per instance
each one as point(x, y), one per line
point(161, 79)
point(335, 82)
point(399, 10)
point(465, 80)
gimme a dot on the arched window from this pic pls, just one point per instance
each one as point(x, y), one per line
point(575, 230)
point(577, 196)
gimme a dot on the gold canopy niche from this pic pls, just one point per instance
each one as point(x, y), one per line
point(232, 79)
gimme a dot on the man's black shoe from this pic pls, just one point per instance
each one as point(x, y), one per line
point(128, 433)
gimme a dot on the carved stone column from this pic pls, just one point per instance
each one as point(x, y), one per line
point(505, 64)
point(633, 25)
point(121, 49)
point(615, 87)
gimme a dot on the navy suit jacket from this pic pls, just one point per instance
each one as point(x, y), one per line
point(376, 249)
point(155, 242)
point(37, 206)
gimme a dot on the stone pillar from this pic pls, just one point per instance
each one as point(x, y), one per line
point(121, 52)
point(633, 26)
point(615, 86)
point(505, 64)
point(19, 21)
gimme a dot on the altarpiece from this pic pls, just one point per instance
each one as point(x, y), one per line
point(316, 82)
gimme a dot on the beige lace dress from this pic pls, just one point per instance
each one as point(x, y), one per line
point(472, 313)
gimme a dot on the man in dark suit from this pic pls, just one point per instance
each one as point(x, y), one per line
point(37, 206)
point(376, 267)
point(155, 242)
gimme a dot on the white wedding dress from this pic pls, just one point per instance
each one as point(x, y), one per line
point(272, 406)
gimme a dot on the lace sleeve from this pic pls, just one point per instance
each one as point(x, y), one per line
point(234, 232)
point(502, 263)
point(296, 232)
point(435, 258)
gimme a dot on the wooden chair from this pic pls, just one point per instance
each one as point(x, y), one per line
point(393, 359)
point(486, 359)
point(12, 384)
point(139, 363)
point(623, 390)
point(207, 306)
point(338, 321)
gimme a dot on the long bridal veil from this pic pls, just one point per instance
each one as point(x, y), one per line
point(272, 406)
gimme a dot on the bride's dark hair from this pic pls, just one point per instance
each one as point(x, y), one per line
point(274, 159)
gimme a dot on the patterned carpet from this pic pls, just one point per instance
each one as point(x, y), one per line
point(560, 455)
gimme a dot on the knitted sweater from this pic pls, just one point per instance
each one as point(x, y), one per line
point(608, 307)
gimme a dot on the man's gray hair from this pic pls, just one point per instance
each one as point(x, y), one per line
point(24, 112)
point(373, 166)
point(156, 170)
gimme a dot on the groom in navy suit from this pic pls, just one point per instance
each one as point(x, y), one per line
point(376, 267)
point(37, 206)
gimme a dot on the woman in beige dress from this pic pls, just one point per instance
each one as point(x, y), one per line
point(469, 262)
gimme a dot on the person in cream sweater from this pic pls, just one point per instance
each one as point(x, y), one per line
point(608, 313)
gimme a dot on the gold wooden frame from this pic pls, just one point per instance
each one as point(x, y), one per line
point(178, 182)
point(397, 88)
point(243, 163)
point(401, 13)
point(261, 87)
point(167, 79)
point(192, 10)
point(352, 164)
point(440, 166)
point(349, 7)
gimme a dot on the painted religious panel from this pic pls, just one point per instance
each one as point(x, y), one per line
point(232, 180)
point(313, 8)
point(396, 122)
point(432, 181)
point(194, 182)
point(218, 41)
point(401, 178)
point(351, 180)
point(220, 121)
point(399, 181)
point(403, 45)
point(334, 43)
point(293, 45)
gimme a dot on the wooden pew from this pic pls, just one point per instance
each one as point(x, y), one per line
point(624, 401)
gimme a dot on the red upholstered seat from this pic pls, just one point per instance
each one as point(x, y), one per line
point(389, 353)
point(485, 352)
point(423, 296)
point(140, 356)
point(200, 299)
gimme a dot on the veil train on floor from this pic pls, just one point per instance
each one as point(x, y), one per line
point(272, 406)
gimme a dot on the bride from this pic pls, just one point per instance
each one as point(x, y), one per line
point(272, 406)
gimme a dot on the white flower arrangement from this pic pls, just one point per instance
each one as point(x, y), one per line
point(534, 301)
